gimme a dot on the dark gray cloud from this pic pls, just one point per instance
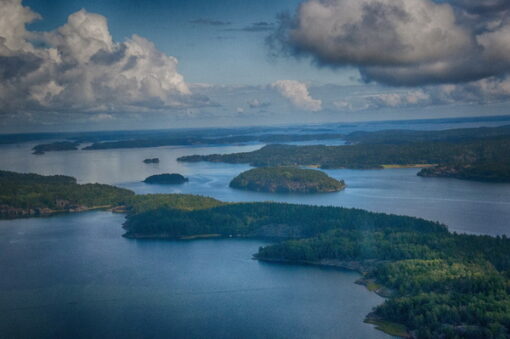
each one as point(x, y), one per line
point(104, 57)
point(401, 42)
point(12, 67)
point(260, 26)
point(482, 6)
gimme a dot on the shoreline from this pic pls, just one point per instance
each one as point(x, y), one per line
point(21, 213)
point(360, 267)
point(395, 166)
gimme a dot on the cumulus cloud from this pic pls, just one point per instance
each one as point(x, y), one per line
point(402, 42)
point(297, 93)
point(79, 68)
point(481, 92)
point(485, 91)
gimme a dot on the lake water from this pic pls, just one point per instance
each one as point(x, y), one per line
point(74, 275)
point(464, 206)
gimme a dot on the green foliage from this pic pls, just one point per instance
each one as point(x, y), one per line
point(412, 136)
point(382, 243)
point(166, 179)
point(286, 179)
point(480, 158)
point(31, 191)
point(444, 285)
point(480, 171)
point(266, 220)
point(147, 202)
point(388, 327)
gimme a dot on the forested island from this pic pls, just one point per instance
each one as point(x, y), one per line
point(491, 154)
point(166, 179)
point(151, 161)
point(286, 180)
point(36, 195)
point(437, 283)
point(56, 146)
point(158, 141)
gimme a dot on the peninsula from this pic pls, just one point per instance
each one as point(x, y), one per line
point(437, 283)
point(28, 194)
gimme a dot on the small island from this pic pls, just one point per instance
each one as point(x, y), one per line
point(151, 161)
point(436, 284)
point(56, 146)
point(286, 180)
point(166, 179)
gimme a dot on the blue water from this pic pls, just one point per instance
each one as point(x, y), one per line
point(75, 276)
point(468, 207)
point(464, 206)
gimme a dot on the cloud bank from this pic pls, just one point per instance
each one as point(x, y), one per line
point(79, 68)
point(297, 93)
point(402, 42)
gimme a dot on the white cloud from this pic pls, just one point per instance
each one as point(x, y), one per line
point(402, 42)
point(297, 93)
point(81, 69)
point(407, 98)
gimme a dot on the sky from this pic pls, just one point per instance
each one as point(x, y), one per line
point(95, 65)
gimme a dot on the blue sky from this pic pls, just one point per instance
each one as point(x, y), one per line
point(82, 65)
point(221, 54)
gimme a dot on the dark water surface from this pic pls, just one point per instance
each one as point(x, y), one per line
point(74, 276)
